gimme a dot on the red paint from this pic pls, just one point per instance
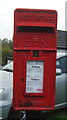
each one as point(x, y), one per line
point(34, 40)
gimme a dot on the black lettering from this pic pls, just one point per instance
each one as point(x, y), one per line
point(35, 66)
point(34, 79)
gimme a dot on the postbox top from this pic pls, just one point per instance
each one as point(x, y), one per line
point(35, 29)
point(34, 10)
point(34, 16)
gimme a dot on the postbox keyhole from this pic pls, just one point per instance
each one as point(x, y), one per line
point(35, 53)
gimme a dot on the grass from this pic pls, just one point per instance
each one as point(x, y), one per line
point(55, 115)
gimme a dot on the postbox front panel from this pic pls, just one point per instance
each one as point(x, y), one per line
point(34, 61)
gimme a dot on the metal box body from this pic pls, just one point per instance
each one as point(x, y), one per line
point(34, 59)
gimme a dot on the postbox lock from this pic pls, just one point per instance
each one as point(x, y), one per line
point(22, 79)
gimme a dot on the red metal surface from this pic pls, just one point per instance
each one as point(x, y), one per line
point(34, 30)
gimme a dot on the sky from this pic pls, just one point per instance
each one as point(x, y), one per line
point(7, 8)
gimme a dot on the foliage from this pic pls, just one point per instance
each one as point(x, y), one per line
point(7, 43)
point(6, 50)
point(0, 52)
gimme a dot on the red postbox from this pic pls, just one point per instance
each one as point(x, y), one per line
point(34, 59)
